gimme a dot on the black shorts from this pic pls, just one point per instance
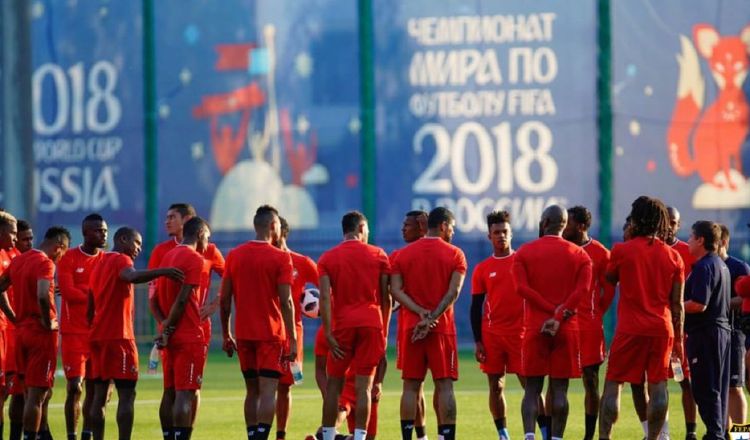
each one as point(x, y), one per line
point(737, 359)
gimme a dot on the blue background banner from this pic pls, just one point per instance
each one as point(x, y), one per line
point(681, 113)
point(258, 102)
point(87, 113)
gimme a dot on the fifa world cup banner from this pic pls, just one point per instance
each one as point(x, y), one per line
point(87, 92)
point(485, 105)
point(680, 96)
point(258, 102)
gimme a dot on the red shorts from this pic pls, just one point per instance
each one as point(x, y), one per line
point(321, 343)
point(503, 353)
point(36, 357)
point(363, 348)
point(260, 356)
point(286, 374)
point(633, 355)
point(114, 359)
point(3, 357)
point(10, 350)
point(683, 361)
point(183, 365)
point(14, 385)
point(76, 356)
point(554, 356)
point(400, 336)
point(436, 352)
point(592, 346)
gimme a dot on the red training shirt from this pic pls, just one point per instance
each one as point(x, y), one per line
point(688, 259)
point(304, 271)
point(426, 267)
point(551, 274)
point(73, 273)
point(594, 303)
point(647, 269)
point(5, 260)
point(503, 306)
point(189, 328)
point(256, 269)
point(154, 262)
point(113, 299)
point(213, 260)
point(24, 271)
point(354, 269)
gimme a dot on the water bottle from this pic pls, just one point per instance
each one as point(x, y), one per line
point(153, 360)
point(679, 376)
point(296, 371)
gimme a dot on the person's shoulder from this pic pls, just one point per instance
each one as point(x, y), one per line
point(598, 247)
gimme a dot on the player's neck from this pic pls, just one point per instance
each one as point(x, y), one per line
point(190, 243)
point(500, 253)
point(673, 241)
point(264, 236)
point(585, 239)
point(89, 250)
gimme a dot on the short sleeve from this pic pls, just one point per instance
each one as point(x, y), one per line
point(396, 263)
point(323, 269)
point(155, 260)
point(477, 280)
point(46, 270)
point(286, 269)
point(700, 285)
point(217, 261)
point(309, 271)
point(615, 257)
point(679, 270)
point(385, 263)
point(460, 262)
point(121, 262)
point(193, 270)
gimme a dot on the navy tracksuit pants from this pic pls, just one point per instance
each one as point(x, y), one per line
point(708, 355)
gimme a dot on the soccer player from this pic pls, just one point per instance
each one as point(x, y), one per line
point(354, 275)
point(32, 276)
point(305, 271)
point(8, 237)
point(649, 315)
point(688, 402)
point(182, 331)
point(426, 279)
point(413, 228)
point(591, 311)
point(73, 273)
point(258, 278)
point(25, 237)
point(552, 275)
point(497, 316)
point(114, 356)
point(737, 268)
point(707, 295)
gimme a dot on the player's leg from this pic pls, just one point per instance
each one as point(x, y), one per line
point(125, 407)
point(32, 411)
point(689, 408)
point(283, 407)
point(609, 408)
point(44, 432)
point(446, 408)
point(530, 403)
point(737, 402)
point(420, 420)
point(330, 411)
point(182, 413)
point(73, 405)
point(268, 382)
point(363, 388)
point(409, 396)
point(559, 406)
point(165, 410)
point(251, 401)
point(591, 399)
point(86, 409)
point(496, 383)
point(98, 408)
point(658, 404)
point(640, 403)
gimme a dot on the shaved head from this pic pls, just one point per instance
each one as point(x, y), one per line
point(554, 219)
point(674, 214)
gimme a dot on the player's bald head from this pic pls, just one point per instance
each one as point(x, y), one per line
point(126, 233)
point(674, 214)
point(554, 219)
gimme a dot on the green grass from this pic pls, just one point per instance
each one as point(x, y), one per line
point(220, 415)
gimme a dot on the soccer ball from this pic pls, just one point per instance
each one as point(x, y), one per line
point(310, 302)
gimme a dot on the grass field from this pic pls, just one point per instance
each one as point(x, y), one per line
point(220, 415)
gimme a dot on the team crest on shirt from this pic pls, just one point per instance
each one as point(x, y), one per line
point(739, 432)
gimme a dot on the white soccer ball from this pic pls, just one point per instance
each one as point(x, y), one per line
point(310, 302)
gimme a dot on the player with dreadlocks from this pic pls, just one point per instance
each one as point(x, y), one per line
point(649, 314)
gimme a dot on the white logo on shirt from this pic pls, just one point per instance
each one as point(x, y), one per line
point(79, 270)
point(492, 274)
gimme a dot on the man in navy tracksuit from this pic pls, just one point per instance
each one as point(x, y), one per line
point(707, 293)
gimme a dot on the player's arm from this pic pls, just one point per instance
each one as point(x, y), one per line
point(68, 289)
point(4, 301)
point(678, 317)
point(450, 297)
point(227, 292)
point(475, 314)
point(287, 313)
point(217, 267)
point(42, 296)
point(521, 278)
point(397, 291)
point(607, 289)
point(175, 313)
point(130, 275)
point(385, 303)
point(153, 304)
point(581, 288)
point(700, 291)
point(325, 315)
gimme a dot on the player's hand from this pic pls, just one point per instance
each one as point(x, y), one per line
point(550, 327)
point(229, 346)
point(420, 331)
point(376, 392)
point(52, 325)
point(161, 341)
point(677, 350)
point(292, 355)
point(174, 273)
point(209, 309)
point(335, 348)
point(479, 353)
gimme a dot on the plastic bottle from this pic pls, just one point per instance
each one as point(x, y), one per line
point(294, 367)
point(679, 376)
point(153, 360)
